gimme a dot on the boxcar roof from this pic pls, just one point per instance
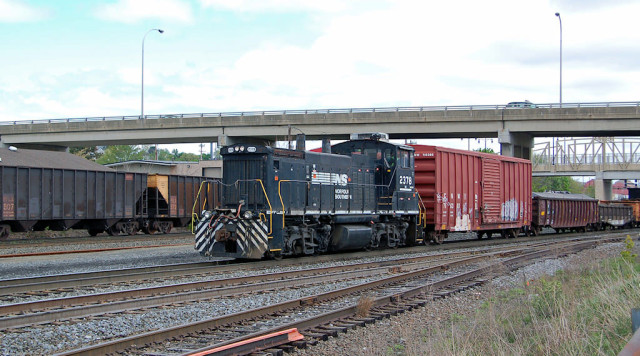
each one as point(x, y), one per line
point(562, 196)
point(47, 159)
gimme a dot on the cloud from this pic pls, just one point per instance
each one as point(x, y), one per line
point(14, 11)
point(279, 6)
point(131, 11)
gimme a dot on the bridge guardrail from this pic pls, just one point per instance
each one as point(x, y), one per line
point(328, 111)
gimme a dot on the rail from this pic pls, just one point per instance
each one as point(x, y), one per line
point(327, 111)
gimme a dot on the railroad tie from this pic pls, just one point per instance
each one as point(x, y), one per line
point(345, 324)
point(315, 335)
point(357, 322)
point(365, 320)
point(338, 329)
point(301, 344)
point(379, 314)
point(327, 332)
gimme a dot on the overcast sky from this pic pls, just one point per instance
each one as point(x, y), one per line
point(69, 58)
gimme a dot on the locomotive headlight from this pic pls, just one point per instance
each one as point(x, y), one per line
point(247, 215)
point(237, 148)
point(241, 148)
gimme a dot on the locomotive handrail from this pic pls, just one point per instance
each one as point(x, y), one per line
point(270, 208)
point(280, 195)
point(423, 210)
point(194, 215)
point(264, 191)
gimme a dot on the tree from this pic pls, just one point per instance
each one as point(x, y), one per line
point(543, 184)
point(91, 153)
point(485, 150)
point(121, 153)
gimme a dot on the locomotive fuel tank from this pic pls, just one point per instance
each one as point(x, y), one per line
point(350, 237)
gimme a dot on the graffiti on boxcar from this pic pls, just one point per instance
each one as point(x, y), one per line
point(510, 210)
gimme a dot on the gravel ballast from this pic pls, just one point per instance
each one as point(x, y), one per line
point(379, 338)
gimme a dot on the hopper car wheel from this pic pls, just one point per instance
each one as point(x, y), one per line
point(151, 228)
point(165, 227)
point(4, 232)
point(113, 231)
point(94, 232)
point(130, 229)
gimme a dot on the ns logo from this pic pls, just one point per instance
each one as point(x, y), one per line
point(339, 179)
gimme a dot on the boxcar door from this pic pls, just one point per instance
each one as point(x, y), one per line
point(490, 191)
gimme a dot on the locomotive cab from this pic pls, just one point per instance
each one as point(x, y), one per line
point(394, 170)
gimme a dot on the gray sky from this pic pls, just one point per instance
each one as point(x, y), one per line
point(77, 59)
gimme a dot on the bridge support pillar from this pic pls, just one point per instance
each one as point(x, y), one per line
point(225, 140)
point(515, 144)
point(603, 187)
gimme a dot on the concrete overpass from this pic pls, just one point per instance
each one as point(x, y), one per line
point(515, 128)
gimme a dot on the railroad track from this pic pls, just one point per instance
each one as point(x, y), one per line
point(228, 292)
point(49, 310)
point(327, 313)
point(64, 282)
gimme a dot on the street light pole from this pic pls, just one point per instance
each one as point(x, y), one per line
point(142, 82)
point(560, 19)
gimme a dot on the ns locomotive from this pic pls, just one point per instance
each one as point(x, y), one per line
point(280, 202)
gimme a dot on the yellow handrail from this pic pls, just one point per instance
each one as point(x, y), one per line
point(194, 215)
point(422, 211)
point(270, 208)
point(280, 195)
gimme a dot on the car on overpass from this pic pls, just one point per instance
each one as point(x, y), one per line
point(521, 105)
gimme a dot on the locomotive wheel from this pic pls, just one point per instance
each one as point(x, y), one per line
point(274, 255)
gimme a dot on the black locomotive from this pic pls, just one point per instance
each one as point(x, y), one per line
point(281, 202)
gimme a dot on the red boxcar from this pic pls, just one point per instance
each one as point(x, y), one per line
point(563, 211)
point(466, 191)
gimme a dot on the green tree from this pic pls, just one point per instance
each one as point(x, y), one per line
point(121, 153)
point(91, 153)
point(485, 150)
point(543, 184)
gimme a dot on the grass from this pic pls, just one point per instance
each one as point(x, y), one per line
point(584, 310)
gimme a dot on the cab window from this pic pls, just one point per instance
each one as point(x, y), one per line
point(405, 158)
